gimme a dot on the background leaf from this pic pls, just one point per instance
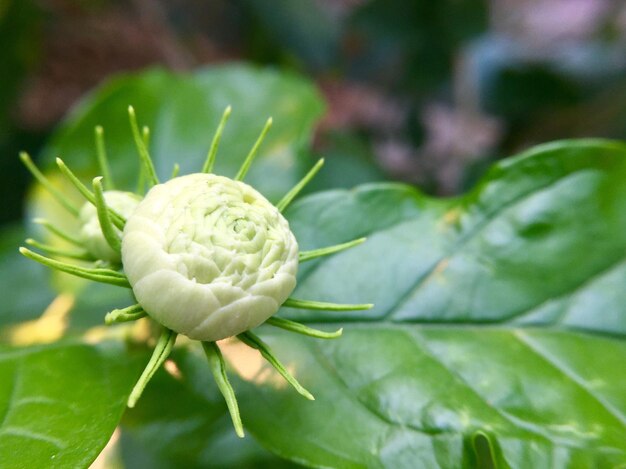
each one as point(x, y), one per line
point(60, 403)
point(183, 112)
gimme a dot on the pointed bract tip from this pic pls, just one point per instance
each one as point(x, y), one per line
point(131, 109)
point(24, 156)
point(238, 431)
point(270, 121)
point(30, 241)
point(23, 251)
point(99, 130)
point(40, 221)
point(97, 180)
point(228, 110)
point(59, 161)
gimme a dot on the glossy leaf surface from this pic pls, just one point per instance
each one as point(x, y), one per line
point(60, 403)
point(499, 321)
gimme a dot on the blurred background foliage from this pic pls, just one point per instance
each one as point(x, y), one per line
point(421, 91)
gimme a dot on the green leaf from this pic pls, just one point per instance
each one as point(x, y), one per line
point(539, 241)
point(60, 403)
point(484, 347)
point(387, 395)
point(183, 112)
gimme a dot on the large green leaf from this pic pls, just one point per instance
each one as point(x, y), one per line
point(416, 396)
point(484, 344)
point(60, 403)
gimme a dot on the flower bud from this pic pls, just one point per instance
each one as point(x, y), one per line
point(209, 257)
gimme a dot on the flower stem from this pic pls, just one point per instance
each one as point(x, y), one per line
point(210, 159)
point(320, 305)
point(293, 326)
point(98, 275)
point(241, 174)
point(104, 217)
point(116, 218)
point(218, 368)
point(308, 255)
point(289, 196)
point(251, 340)
point(142, 148)
point(131, 313)
point(47, 184)
point(102, 158)
point(54, 251)
point(57, 231)
point(161, 351)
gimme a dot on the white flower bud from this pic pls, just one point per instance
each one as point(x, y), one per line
point(209, 257)
point(91, 233)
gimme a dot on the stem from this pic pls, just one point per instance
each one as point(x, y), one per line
point(248, 161)
point(142, 148)
point(319, 305)
point(308, 255)
point(54, 251)
point(38, 175)
point(106, 225)
point(145, 136)
point(289, 196)
point(141, 178)
point(131, 313)
point(159, 355)
point(141, 181)
point(210, 159)
point(255, 342)
point(298, 328)
point(102, 158)
point(116, 218)
point(61, 234)
point(86, 193)
point(98, 275)
point(218, 368)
